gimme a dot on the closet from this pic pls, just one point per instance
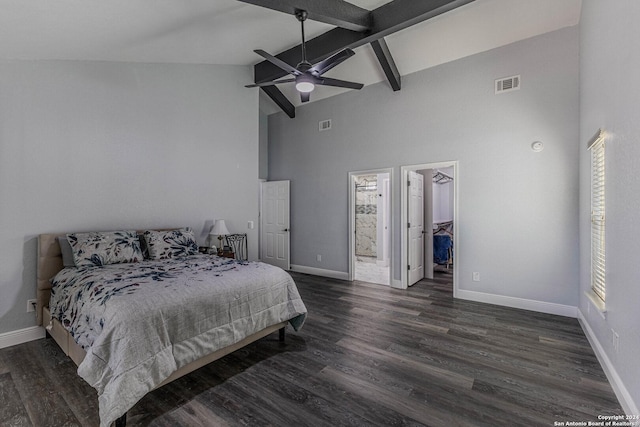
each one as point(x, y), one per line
point(442, 226)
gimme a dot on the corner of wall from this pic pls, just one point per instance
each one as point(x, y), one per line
point(623, 395)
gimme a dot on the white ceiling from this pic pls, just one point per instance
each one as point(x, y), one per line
point(227, 32)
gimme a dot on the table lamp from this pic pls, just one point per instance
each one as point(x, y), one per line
point(220, 229)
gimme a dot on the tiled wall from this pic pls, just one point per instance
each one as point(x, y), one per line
point(366, 215)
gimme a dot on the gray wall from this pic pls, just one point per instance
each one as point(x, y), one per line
point(518, 209)
point(263, 150)
point(610, 99)
point(97, 145)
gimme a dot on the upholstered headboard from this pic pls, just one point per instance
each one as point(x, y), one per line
point(49, 264)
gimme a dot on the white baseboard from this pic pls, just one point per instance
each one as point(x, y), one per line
point(320, 272)
point(20, 336)
point(625, 399)
point(525, 304)
point(341, 275)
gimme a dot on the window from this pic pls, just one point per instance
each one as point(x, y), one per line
point(596, 145)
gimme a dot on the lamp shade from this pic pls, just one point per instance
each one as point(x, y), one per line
point(305, 87)
point(220, 228)
point(304, 83)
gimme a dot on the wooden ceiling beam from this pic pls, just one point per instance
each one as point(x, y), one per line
point(387, 63)
point(400, 14)
point(335, 12)
point(281, 100)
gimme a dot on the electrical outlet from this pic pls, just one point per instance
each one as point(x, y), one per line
point(31, 305)
point(616, 340)
point(476, 276)
point(319, 258)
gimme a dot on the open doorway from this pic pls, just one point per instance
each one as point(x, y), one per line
point(429, 223)
point(370, 226)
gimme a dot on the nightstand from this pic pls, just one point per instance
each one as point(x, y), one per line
point(226, 254)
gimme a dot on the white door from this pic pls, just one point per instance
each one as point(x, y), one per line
point(274, 224)
point(416, 227)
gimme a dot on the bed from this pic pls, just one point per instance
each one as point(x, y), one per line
point(141, 315)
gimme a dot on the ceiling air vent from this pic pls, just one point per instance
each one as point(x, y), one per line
point(324, 125)
point(507, 84)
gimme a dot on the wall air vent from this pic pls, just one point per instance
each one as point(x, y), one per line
point(507, 84)
point(324, 125)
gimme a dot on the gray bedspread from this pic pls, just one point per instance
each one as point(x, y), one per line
point(140, 322)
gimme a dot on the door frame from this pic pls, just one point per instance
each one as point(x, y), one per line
point(352, 218)
point(404, 215)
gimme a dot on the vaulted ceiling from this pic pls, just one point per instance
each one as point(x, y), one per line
point(227, 32)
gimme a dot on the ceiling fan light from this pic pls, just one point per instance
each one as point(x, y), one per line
point(305, 87)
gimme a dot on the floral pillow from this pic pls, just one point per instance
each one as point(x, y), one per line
point(103, 248)
point(171, 244)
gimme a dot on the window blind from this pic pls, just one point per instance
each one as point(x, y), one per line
point(598, 264)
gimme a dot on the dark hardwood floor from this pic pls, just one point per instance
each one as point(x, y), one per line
point(367, 355)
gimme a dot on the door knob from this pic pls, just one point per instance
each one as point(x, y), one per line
point(286, 229)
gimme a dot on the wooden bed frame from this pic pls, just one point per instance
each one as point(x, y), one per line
point(50, 263)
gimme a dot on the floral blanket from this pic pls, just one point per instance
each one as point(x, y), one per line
point(139, 322)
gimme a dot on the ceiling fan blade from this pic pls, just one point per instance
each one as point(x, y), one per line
point(278, 62)
point(327, 64)
point(326, 81)
point(275, 82)
point(304, 96)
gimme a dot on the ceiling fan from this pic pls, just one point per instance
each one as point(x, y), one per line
point(307, 75)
